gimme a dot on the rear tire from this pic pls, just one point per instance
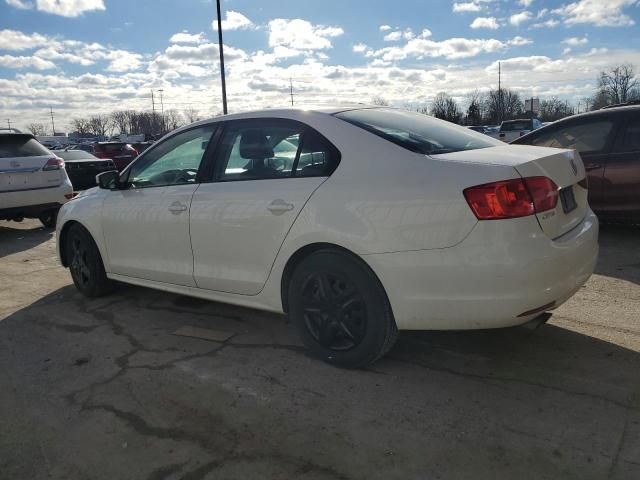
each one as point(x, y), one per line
point(49, 219)
point(85, 263)
point(341, 310)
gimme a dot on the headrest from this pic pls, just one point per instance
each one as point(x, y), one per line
point(254, 145)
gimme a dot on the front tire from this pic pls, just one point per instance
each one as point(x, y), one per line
point(341, 310)
point(85, 263)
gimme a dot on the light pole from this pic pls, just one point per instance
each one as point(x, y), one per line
point(221, 48)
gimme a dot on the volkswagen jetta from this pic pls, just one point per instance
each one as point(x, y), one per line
point(357, 222)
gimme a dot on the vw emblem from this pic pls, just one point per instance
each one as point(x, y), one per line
point(14, 164)
point(574, 167)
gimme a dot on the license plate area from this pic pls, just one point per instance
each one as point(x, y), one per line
point(568, 199)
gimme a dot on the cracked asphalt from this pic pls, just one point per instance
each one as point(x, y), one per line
point(102, 389)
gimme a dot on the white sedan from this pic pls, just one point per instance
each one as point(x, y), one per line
point(356, 222)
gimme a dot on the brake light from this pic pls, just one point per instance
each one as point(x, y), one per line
point(512, 198)
point(53, 164)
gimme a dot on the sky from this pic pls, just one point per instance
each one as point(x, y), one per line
point(82, 57)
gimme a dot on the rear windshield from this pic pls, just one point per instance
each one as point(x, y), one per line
point(21, 146)
point(515, 126)
point(111, 147)
point(76, 155)
point(417, 132)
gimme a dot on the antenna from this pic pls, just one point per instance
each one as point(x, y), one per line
point(291, 89)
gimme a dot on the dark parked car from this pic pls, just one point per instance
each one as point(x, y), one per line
point(82, 167)
point(121, 153)
point(609, 143)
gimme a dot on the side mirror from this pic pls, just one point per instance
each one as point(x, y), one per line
point(108, 180)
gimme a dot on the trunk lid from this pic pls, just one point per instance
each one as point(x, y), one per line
point(563, 166)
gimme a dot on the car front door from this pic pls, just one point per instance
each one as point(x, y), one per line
point(146, 223)
point(265, 171)
point(621, 196)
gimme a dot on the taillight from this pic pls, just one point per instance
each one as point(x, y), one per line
point(512, 198)
point(53, 164)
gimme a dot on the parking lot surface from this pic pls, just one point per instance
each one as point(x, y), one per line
point(104, 389)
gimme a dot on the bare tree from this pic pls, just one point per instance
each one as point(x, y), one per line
point(38, 129)
point(475, 111)
point(172, 120)
point(191, 115)
point(445, 108)
point(554, 109)
point(120, 120)
point(100, 125)
point(378, 100)
point(503, 104)
point(82, 126)
point(617, 83)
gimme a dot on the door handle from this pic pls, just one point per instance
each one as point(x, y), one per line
point(279, 206)
point(177, 207)
point(591, 166)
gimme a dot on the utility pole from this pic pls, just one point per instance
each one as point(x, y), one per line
point(53, 125)
point(162, 109)
point(153, 107)
point(499, 94)
point(9, 123)
point(291, 89)
point(221, 48)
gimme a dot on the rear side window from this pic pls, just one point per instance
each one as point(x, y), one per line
point(21, 146)
point(630, 138)
point(417, 132)
point(111, 147)
point(584, 137)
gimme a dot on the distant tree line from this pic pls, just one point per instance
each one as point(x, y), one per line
point(618, 85)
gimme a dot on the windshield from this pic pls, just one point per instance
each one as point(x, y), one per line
point(16, 145)
point(516, 126)
point(417, 132)
point(76, 155)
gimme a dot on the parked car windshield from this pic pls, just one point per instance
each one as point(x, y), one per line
point(515, 126)
point(417, 132)
point(16, 145)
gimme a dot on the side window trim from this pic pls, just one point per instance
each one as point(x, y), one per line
point(124, 176)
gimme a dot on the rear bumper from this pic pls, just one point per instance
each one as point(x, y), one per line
point(32, 211)
point(24, 199)
point(489, 279)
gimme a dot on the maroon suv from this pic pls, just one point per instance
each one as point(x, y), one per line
point(122, 154)
point(609, 143)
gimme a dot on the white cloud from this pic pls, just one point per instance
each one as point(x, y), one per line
point(519, 41)
point(525, 3)
point(485, 22)
point(466, 7)
point(69, 8)
point(15, 40)
point(21, 4)
point(575, 41)
point(233, 21)
point(552, 22)
point(186, 37)
point(393, 36)
point(385, 28)
point(359, 48)
point(601, 13)
point(566, 51)
point(9, 61)
point(301, 35)
point(518, 18)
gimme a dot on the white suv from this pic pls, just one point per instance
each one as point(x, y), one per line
point(33, 181)
point(513, 129)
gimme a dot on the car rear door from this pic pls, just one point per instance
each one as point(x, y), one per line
point(146, 224)
point(265, 171)
point(25, 164)
point(621, 192)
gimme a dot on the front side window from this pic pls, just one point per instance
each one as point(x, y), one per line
point(268, 149)
point(584, 137)
point(417, 132)
point(173, 162)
